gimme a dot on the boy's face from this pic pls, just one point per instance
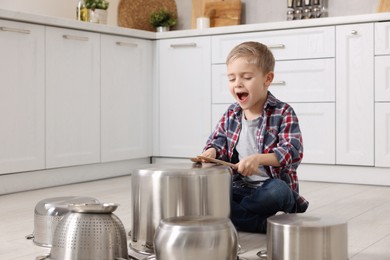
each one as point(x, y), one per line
point(248, 84)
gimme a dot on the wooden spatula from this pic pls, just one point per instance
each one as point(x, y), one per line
point(199, 158)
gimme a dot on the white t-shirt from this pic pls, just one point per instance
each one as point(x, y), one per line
point(247, 145)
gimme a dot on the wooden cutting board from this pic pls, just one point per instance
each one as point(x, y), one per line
point(220, 12)
point(223, 13)
point(384, 6)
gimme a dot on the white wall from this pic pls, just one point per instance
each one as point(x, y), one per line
point(254, 11)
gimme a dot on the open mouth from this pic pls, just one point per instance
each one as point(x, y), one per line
point(242, 96)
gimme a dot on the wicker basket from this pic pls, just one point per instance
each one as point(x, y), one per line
point(135, 13)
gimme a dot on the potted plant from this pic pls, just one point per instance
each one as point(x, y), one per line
point(97, 10)
point(162, 20)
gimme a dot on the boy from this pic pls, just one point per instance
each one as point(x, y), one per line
point(261, 135)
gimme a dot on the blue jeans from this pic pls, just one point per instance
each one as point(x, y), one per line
point(250, 207)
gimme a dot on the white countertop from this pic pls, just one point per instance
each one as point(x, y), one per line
point(74, 24)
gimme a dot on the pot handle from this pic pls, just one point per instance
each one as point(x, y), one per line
point(262, 254)
point(29, 236)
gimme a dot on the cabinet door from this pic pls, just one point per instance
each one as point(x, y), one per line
point(21, 97)
point(382, 38)
point(184, 95)
point(382, 134)
point(382, 78)
point(72, 97)
point(126, 90)
point(355, 94)
point(317, 123)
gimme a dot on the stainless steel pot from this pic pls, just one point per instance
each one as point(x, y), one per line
point(194, 238)
point(306, 237)
point(164, 191)
point(48, 213)
point(90, 232)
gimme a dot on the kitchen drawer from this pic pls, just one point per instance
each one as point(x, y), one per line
point(382, 78)
point(304, 43)
point(382, 134)
point(382, 38)
point(295, 81)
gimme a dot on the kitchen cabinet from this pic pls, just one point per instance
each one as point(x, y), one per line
point(304, 78)
point(355, 94)
point(72, 97)
point(184, 100)
point(306, 43)
point(22, 97)
point(382, 134)
point(382, 94)
point(126, 109)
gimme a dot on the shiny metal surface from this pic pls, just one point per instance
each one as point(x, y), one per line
point(93, 207)
point(164, 191)
point(306, 237)
point(48, 213)
point(89, 236)
point(194, 238)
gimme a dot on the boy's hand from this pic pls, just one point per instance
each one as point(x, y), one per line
point(211, 153)
point(248, 166)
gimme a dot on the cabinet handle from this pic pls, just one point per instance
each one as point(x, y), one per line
point(73, 37)
point(276, 46)
point(184, 45)
point(128, 44)
point(7, 29)
point(280, 82)
point(354, 32)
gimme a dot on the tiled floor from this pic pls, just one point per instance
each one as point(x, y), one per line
point(366, 208)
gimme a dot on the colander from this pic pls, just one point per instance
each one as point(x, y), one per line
point(48, 212)
point(89, 232)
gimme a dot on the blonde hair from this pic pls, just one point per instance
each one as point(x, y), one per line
point(255, 53)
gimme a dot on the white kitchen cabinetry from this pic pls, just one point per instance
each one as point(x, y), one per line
point(184, 79)
point(382, 94)
point(72, 97)
point(291, 44)
point(21, 97)
point(382, 134)
point(126, 107)
point(304, 78)
point(355, 94)
point(382, 38)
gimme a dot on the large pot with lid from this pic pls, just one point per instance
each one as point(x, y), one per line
point(164, 191)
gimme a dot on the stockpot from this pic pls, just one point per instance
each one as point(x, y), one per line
point(196, 237)
point(164, 191)
point(305, 237)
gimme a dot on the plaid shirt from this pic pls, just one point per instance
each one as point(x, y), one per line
point(278, 133)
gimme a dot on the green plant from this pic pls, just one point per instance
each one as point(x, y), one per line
point(96, 4)
point(162, 18)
